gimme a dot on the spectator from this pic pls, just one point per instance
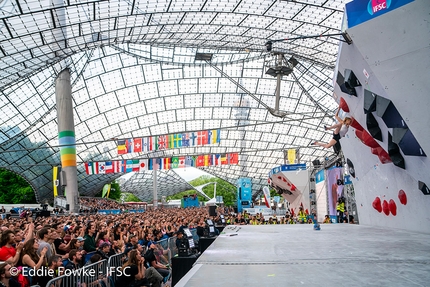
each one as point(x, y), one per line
point(8, 253)
point(90, 238)
point(6, 279)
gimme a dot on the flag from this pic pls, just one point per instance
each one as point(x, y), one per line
point(215, 159)
point(117, 166)
point(143, 165)
point(171, 141)
point(121, 146)
point(233, 158)
point(147, 144)
point(213, 136)
point(101, 168)
point(91, 167)
point(189, 161)
point(137, 145)
point(128, 164)
point(200, 161)
point(136, 165)
point(185, 140)
point(193, 139)
point(202, 138)
point(266, 192)
point(206, 160)
point(223, 159)
point(177, 140)
point(167, 163)
point(108, 167)
point(108, 191)
point(55, 180)
point(163, 142)
point(175, 162)
point(291, 156)
point(181, 163)
point(129, 144)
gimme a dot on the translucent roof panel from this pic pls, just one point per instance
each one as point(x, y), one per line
point(134, 73)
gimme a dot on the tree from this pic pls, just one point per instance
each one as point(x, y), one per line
point(14, 189)
point(129, 197)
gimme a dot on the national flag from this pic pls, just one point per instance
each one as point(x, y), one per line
point(117, 166)
point(292, 156)
point(181, 163)
point(137, 145)
point(202, 138)
point(128, 165)
point(185, 140)
point(91, 167)
point(189, 161)
point(102, 168)
point(129, 144)
point(193, 139)
point(200, 161)
point(233, 158)
point(167, 161)
point(175, 162)
point(206, 160)
point(143, 165)
point(171, 143)
point(136, 165)
point(177, 140)
point(55, 180)
point(215, 159)
point(224, 159)
point(108, 167)
point(147, 144)
point(163, 142)
point(121, 146)
point(213, 136)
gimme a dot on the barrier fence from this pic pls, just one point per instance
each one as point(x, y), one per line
point(105, 272)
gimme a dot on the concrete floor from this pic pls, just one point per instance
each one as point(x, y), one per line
point(297, 255)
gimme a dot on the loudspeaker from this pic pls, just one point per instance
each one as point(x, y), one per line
point(316, 162)
point(423, 187)
point(373, 127)
point(369, 101)
point(67, 207)
point(212, 210)
point(63, 180)
point(389, 113)
point(394, 153)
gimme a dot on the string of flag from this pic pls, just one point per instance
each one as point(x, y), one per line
point(141, 165)
point(169, 141)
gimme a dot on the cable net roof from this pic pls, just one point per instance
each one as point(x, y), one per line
point(134, 73)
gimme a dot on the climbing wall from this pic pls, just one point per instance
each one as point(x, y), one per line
point(383, 79)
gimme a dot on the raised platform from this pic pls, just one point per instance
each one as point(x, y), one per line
point(297, 255)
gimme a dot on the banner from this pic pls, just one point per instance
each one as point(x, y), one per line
point(55, 180)
point(334, 191)
point(169, 141)
point(140, 165)
point(266, 192)
point(106, 189)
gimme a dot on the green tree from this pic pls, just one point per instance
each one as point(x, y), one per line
point(115, 191)
point(129, 197)
point(14, 189)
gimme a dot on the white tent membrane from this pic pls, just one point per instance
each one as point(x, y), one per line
point(134, 74)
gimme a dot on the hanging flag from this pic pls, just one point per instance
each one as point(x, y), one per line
point(167, 163)
point(213, 136)
point(175, 162)
point(292, 156)
point(181, 163)
point(108, 167)
point(185, 140)
point(136, 165)
point(91, 167)
point(266, 192)
point(223, 159)
point(233, 158)
point(177, 140)
point(101, 167)
point(163, 142)
point(189, 161)
point(200, 161)
point(137, 145)
point(117, 166)
point(147, 144)
point(193, 139)
point(143, 165)
point(202, 138)
point(108, 191)
point(55, 180)
point(206, 160)
point(128, 164)
point(215, 159)
point(122, 147)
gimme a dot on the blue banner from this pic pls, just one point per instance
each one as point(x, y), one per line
point(287, 167)
point(360, 11)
